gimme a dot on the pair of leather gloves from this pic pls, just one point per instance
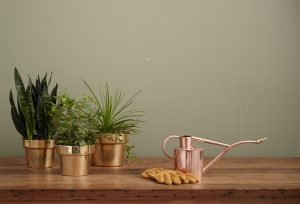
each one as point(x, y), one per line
point(167, 176)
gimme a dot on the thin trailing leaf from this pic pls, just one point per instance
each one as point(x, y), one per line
point(127, 103)
point(94, 95)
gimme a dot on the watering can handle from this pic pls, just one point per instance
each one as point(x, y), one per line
point(227, 148)
point(164, 145)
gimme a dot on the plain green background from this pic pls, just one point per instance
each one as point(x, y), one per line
point(225, 70)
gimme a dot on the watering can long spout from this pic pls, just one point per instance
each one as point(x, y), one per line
point(228, 147)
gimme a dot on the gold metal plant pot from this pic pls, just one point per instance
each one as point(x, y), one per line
point(75, 160)
point(39, 153)
point(110, 150)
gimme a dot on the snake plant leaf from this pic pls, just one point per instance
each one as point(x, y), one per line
point(42, 118)
point(49, 79)
point(14, 116)
point(32, 121)
point(30, 100)
point(34, 93)
point(44, 82)
point(20, 112)
point(38, 86)
point(46, 99)
point(17, 120)
point(23, 101)
point(53, 93)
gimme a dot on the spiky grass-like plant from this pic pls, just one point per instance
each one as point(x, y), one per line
point(110, 113)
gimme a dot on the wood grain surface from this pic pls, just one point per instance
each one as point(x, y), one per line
point(231, 180)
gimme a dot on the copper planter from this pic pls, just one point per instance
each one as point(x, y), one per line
point(75, 160)
point(39, 153)
point(110, 150)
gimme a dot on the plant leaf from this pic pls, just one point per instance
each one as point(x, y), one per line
point(42, 118)
point(18, 122)
point(34, 93)
point(32, 122)
point(14, 116)
point(44, 82)
point(53, 93)
point(94, 95)
point(50, 79)
point(23, 101)
point(20, 113)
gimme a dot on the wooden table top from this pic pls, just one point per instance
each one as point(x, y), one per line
point(261, 177)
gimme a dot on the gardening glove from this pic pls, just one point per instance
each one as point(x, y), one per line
point(166, 176)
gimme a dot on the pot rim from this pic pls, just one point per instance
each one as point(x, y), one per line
point(75, 150)
point(38, 144)
point(121, 138)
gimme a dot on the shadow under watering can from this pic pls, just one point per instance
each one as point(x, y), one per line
point(188, 158)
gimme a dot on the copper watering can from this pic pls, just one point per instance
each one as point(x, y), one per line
point(190, 159)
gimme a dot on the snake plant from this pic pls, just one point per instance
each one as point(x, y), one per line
point(31, 115)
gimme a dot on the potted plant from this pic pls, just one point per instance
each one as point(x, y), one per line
point(73, 138)
point(112, 122)
point(31, 119)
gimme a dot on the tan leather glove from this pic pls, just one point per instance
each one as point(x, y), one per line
point(167, 176)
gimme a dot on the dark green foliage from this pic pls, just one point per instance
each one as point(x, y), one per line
point(32, 119)
point(70, 125)
point(17, 119)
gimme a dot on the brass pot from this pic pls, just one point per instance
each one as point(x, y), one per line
point(110, 150)
point(39, 153)
point(75, 160)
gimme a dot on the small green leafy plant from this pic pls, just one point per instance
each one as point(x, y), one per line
point(110, 114)
point(31, 115)
point(130, 155)
point(71, 126)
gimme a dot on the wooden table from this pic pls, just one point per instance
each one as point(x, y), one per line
point(231, 180)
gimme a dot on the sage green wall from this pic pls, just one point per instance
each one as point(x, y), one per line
point(224, 70)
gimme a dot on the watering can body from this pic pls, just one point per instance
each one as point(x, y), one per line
point(190, 159)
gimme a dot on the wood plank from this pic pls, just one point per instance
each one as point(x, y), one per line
point(232, 179)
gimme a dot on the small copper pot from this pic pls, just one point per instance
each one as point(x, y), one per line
point(75, 160)
point(110, 150)
point(39, 153)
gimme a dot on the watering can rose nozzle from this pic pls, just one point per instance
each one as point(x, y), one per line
point(190, 159)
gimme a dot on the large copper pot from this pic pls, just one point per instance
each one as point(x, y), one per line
point(110, 150)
